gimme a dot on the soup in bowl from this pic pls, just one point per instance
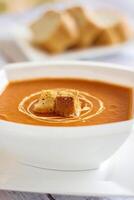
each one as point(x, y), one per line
point(65, 115)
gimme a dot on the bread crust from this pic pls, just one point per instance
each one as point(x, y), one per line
point(124, 30)
point(107, 37)
point(67, 104)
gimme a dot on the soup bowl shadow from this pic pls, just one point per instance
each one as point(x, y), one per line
point(65, 148)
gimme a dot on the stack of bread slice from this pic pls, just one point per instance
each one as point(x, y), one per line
point(58, 31)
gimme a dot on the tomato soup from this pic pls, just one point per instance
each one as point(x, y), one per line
point(103, 102)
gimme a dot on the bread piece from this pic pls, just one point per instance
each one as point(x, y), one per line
point(107, 37)
point(55, 31)
point(114, 28)
point(67, 104)
point(46, 103)
point(62, 103)
point(88, 29)
point(124, 30)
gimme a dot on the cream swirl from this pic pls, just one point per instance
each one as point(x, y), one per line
point(91, 107)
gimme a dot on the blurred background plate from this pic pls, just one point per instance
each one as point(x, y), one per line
point(34, 54)
point(14, 46)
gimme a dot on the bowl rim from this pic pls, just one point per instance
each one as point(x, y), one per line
point(13, 125)
point(70, 62)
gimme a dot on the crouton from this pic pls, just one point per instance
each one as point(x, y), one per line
point(46, 102)
point(61, 103)
point(67, 104)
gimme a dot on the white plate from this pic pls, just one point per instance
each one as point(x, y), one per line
point(21, 36)
point(34, 54)
point(115, 177)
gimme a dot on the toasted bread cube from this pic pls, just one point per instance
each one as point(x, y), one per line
point(88, 28)
point(64, 106)
point(67, 105)
point(62, 103)
point(55, 31)
point(46, 103)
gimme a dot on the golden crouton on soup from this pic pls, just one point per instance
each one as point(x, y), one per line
point(61, 103)
point(46, 102)
point(67, 104)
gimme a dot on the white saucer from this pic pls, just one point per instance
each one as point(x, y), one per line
point(115, 177)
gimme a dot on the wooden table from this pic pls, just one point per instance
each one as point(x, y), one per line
point(5, 195)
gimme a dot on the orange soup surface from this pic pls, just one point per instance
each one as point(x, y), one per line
point(104, 102)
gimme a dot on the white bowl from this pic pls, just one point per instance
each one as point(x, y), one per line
point(64, 148)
